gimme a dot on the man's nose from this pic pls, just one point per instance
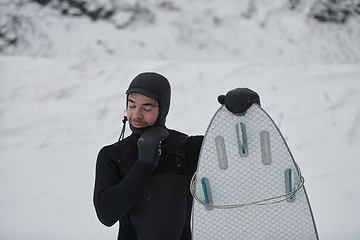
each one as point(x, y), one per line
point(137, 113)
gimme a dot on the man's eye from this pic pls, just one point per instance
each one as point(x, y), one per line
point(147, 109)
point(131, 106)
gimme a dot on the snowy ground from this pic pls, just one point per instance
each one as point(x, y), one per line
point(62, 99)
point(57, 113)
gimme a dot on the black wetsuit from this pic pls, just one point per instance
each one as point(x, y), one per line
point(150, 203)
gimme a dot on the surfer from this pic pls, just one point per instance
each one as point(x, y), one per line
point(142, 181)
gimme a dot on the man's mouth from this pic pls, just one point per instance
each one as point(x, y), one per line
point(138, 124)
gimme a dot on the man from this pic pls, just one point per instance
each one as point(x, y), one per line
point(143, 180)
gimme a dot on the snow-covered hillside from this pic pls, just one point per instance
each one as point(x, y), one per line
point(62, 97)
point(199, 30)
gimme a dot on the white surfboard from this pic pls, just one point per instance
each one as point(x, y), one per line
point(247, 185)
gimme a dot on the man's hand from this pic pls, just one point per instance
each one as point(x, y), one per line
point(149, 145)
point(239, 100)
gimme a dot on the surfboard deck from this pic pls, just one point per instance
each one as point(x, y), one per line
point(247, 184)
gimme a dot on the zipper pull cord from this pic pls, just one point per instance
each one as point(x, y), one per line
point(123, 129)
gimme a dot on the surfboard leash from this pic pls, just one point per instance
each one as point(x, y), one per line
point(266, 201)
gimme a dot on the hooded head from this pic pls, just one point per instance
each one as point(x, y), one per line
point(156, 86)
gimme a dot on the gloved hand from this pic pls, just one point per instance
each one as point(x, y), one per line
point(149, 145)
point(239, 100)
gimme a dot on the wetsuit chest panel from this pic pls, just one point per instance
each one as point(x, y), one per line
point(171, 164)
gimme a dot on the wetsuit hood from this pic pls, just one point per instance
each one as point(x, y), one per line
point(155, 86)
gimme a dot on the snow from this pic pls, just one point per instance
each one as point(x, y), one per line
point(61, 101)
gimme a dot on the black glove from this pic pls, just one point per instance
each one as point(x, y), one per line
point(149, 145)
point(239, 100)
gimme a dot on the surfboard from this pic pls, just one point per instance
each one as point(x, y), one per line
point(247, 184)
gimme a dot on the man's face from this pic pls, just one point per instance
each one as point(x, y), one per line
point(142, 111)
